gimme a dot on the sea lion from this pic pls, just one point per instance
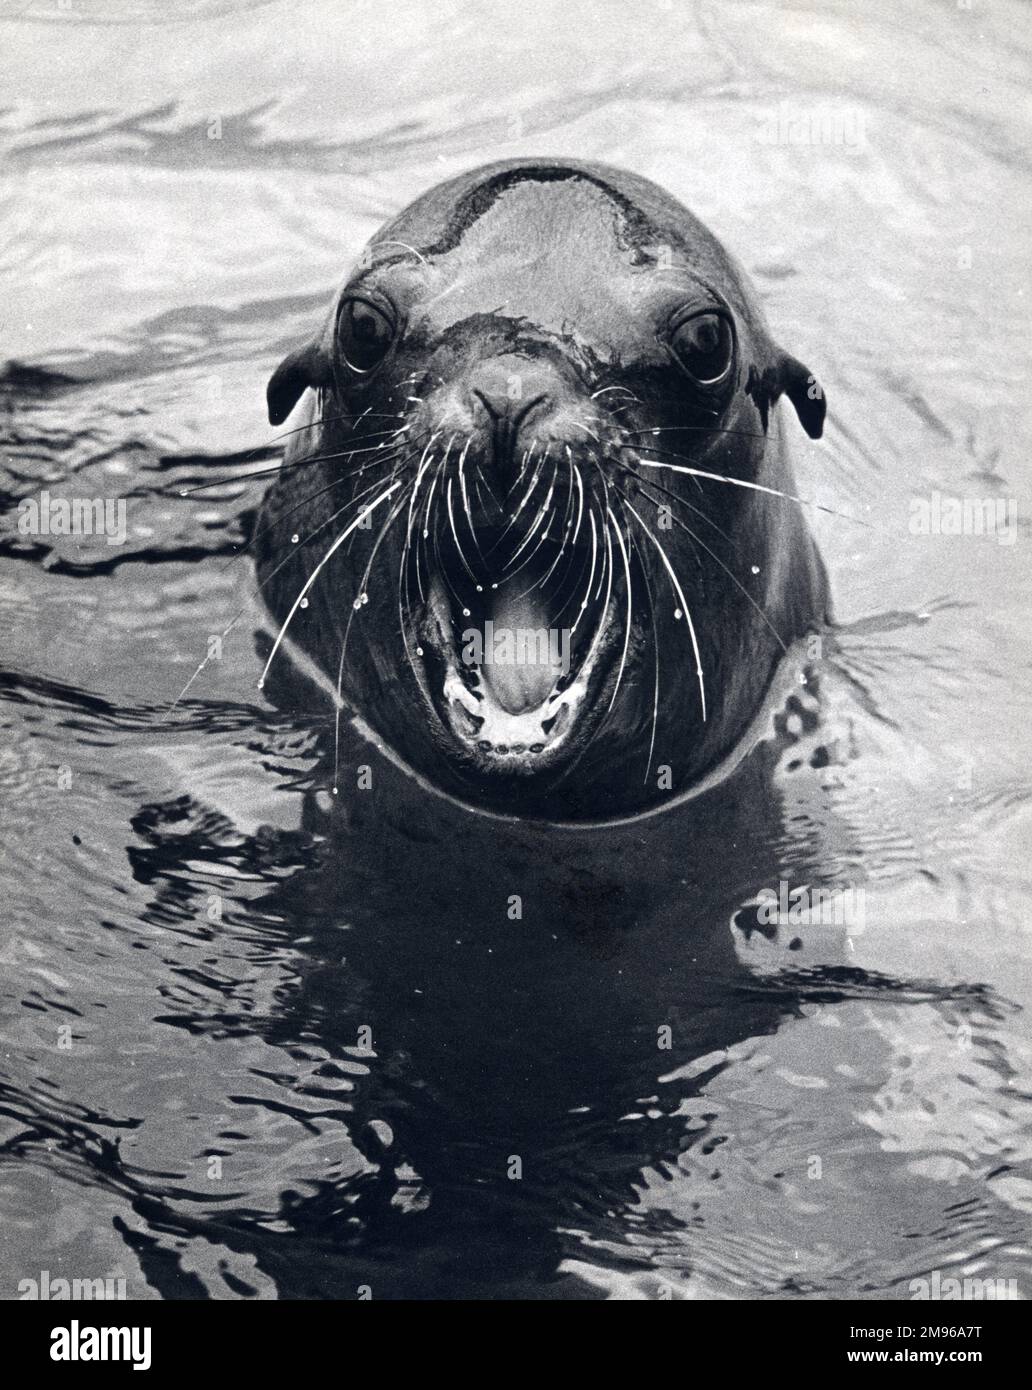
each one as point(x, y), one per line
point(537, 525)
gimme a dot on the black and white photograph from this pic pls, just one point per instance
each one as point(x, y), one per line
point(515, 700)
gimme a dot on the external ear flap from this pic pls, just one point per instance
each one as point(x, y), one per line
point(294, 375)
point(804, 391)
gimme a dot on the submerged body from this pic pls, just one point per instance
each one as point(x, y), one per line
point(537, 525)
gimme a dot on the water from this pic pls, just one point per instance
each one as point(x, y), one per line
point(253, 1048)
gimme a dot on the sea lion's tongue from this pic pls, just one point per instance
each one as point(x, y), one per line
point(520, 674)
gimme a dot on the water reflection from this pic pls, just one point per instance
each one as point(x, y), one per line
point(509, 1082)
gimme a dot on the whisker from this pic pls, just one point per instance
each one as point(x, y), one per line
point(568, 572)
point(366, 511)
point(430, 495)
point(523, 466)
point(606, 489)
point(606, 561)
point(655, 653)
point(279, 468)
point(607, 570)
point(626, 389)
point(465, 499)
point(455, 534)
point(699, 429)
point(305, 501)
point(727, 570)
point(541, 540)
point(325, 420)
point(267, 580)
point(615, 525)
point(591, 574)
point(424, 463)
point(647, 482)
point(684, 604)
point(441, 569)
point(425, 530)
point(580, 504)
point(418, 254)
point(753, 487)
point(527, 494)
point(352, 453)
point(542, 513)
point(564, 531)
point(368, 413)
point(404, 576)
point(360, 592)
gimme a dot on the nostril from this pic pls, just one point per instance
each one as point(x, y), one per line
point(504, 408)
point(520, 415)
point(490, 406)
point(504, 419)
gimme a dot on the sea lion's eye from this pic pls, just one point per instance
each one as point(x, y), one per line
point(704, 345)
point(365, 333)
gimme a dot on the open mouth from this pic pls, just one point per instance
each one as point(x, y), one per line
point(518, 640)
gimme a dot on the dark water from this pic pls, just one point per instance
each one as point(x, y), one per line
point(201, 962)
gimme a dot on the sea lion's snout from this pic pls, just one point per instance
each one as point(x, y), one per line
point(512, 613)
point(508, 397)
point(504, 405)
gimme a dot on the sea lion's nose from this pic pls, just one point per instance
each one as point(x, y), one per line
point(506, 403)
point(502, 409)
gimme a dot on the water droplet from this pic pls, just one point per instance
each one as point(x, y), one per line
point(480, 588)
point(336, 791)
point(494, 586)
point(465, 612)
point(755, 569)
point(294, 538)
point(678, 613)
point(419, 651)
point(261, 684)
point(426, 534)
point(304, 603)
point(655, 431)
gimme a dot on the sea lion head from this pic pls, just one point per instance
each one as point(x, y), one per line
point(543, 547)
